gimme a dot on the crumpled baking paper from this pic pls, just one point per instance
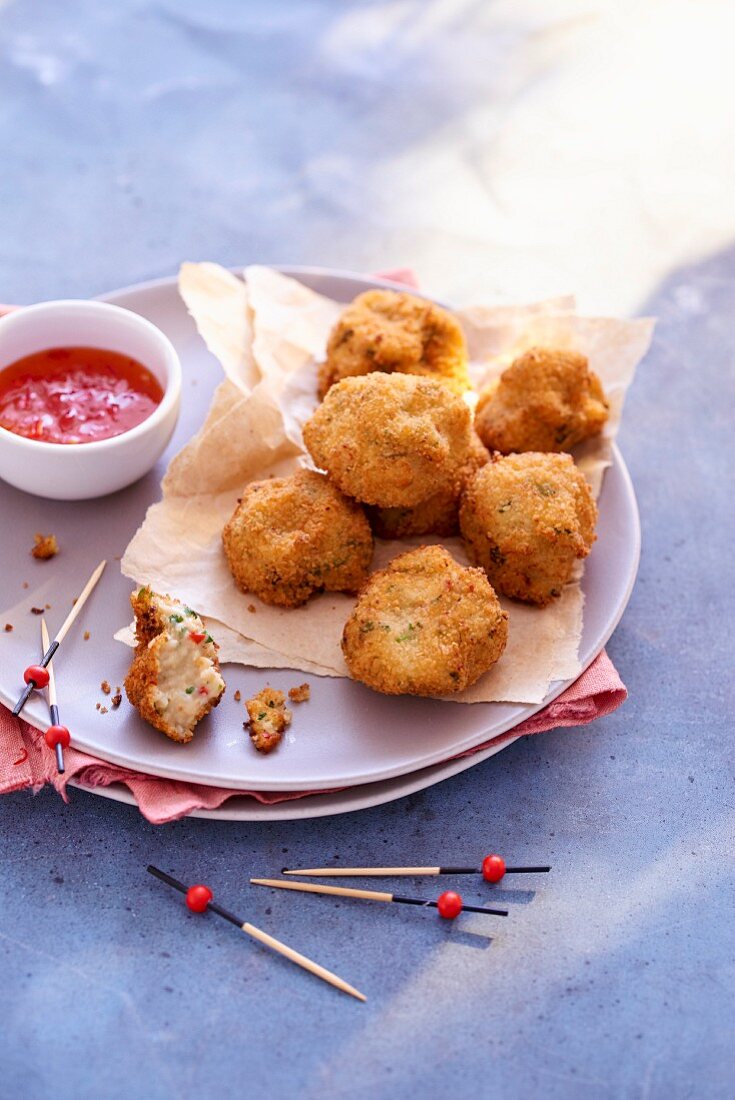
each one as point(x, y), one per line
point(268, 331)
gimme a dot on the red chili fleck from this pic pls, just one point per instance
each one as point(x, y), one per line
point(196, 636)
point(203, 690)
point(21, 759)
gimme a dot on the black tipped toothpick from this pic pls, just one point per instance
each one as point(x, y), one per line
point(58, 747)
point(57, 737)
point(449, 908)
point(199, 899)
point(507, 871)
point(50, 649)
point(492, 870)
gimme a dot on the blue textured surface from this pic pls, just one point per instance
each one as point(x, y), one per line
point(135, 135)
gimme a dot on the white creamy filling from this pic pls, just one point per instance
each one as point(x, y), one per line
point(187, 677)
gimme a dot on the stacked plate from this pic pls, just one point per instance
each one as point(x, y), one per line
point(357, 748)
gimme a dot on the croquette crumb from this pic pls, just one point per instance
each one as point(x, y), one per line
point(268, 717)
point(300, 694)
point(25, 584)
point(103, 710)
point(105, 687)
point(36, 611)
point(47, 606)
point(251, 608)
point(237, 696)
point(8, 628)
point(86, 635)
point(45, 546)
point(116, 700)
point(97, 706)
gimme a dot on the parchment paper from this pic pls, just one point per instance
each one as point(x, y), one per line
point(268, 331)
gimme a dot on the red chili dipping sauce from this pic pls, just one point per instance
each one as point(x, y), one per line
point(76, 395)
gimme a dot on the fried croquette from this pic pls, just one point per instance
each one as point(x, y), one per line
point(268, 718)
point(175, 678)
point(439, 515)
point(424, 626)
point(546, 400)
point(392, 440)
point(526, 518)
point(292, 536)
point(388, 330)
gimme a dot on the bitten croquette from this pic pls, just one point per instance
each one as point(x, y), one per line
point(425, 625)
point(174, 679)
point(526, 519)
point(546, 400)
point(392, 440)
point(293, 536)
point(388, 330)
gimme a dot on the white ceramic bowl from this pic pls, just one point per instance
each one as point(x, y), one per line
point(78, 471)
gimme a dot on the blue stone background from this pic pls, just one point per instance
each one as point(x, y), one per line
point(500, 149)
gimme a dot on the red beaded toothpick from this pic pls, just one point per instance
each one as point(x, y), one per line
point(36, 676)
point(449, 904)
point(199, 899)
point(57, 737)
point(493, 869)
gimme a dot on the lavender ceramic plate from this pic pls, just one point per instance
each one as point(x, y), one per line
point(347, 735)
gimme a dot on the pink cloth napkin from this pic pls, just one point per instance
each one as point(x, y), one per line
point(26, 762)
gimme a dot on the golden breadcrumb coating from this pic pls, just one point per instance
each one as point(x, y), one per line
point(388, 330)
point(290, 537)
point(174, 679)
point(424, 626)
point(526, 519)
point(390, 439)
point(45, 547)
point(268, 718)
point(546, 400)
point(439, 515)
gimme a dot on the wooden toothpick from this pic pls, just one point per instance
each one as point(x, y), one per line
point(199, 899)
point(492, 870)
point(35, 676)
point(57, 736)
point(380, 895)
